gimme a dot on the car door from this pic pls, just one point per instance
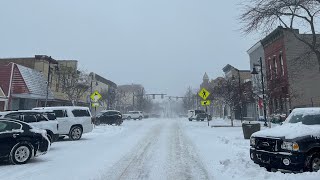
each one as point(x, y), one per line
point(62, 117)
point(9, 131)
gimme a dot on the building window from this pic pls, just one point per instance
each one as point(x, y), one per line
point(270, 69)
point(275, 66)
point(281, 64)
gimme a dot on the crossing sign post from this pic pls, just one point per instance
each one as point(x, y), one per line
point(95, 96)
point(204, 94)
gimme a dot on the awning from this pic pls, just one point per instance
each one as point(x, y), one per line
point(32, 96)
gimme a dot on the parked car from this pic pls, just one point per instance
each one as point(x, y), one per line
point(293, 146)
point(45, 120)
point(73, 120)
point(19, 142)
point(109, 117)
point(203, 116)
point(192, 114)
point(133, 115)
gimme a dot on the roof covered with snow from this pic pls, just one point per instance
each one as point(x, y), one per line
point(35, 82)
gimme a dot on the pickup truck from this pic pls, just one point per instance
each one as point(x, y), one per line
point(294, 146)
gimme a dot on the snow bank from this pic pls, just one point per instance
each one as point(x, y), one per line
point(226, 154)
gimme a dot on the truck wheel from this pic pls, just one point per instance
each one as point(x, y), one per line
point(75, 133)
point(140, 117)
point(314, 163)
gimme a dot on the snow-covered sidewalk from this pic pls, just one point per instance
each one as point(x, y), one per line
point(225, 153)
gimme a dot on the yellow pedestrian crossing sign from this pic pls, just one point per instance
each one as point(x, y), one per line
point(206, 103)
point(95, 96)
point(204, 94)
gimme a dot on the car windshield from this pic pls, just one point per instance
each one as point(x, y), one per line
point(307, 119)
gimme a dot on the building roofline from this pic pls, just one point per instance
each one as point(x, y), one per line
point(254, 47)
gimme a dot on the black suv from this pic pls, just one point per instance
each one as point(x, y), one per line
point(109, 117)
point(19, 142)
point(294, 146)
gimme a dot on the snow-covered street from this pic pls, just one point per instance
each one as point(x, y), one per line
point(149, 149)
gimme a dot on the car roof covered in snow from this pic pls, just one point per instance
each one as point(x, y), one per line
point(306, 111)
point(61, 107)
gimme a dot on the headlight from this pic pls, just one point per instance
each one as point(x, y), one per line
point(252, 141)
point(291, 146)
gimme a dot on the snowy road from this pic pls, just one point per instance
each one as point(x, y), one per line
point(155, 149)
point(147, 149)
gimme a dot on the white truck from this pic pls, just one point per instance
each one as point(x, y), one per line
point(73, 120)
point(133, 115)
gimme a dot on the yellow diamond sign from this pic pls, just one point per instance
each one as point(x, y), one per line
point(204, 94)
point(206, 103)
point(95, 96)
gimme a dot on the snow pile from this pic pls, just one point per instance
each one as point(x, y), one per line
point(290, 131)
point(226, 154)
point(224, 122)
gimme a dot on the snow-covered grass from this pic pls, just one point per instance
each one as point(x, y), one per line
point(226, 153)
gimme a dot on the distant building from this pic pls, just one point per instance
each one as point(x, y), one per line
point(106, 88)
point(246, 107)
point(128, 96)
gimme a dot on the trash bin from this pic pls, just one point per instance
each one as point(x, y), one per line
point(249, 128)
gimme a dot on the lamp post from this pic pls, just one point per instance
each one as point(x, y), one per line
point(51, 61)
point(240, 93)
point(254, 72)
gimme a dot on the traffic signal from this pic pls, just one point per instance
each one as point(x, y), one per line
point(153, 96)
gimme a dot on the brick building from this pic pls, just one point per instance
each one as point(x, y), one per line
point(292, 72)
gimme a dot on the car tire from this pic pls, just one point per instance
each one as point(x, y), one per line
point(140, 117)
point(190, 119)
point(118, 122)
point(129, 117)
point(21, 153)
point(314, 163)
point(75, 133)
point(97, 122)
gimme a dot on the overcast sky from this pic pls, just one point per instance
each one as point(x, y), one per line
point(165, 45)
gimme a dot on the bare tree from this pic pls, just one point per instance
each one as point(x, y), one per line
point(74, 83)
point(227, 90)
point(265, 15)
point(188, 101)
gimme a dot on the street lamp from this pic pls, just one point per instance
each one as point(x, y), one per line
point(254, 72)
point(240, 93)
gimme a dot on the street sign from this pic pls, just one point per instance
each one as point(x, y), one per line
point(206, 103)
point(95, 96)
point(95, 104)
point(204, 94)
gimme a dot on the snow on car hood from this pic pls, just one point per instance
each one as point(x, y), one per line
point(290, 131)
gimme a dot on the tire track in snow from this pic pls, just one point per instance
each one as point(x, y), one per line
point(135, 165)
point(183, 160)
